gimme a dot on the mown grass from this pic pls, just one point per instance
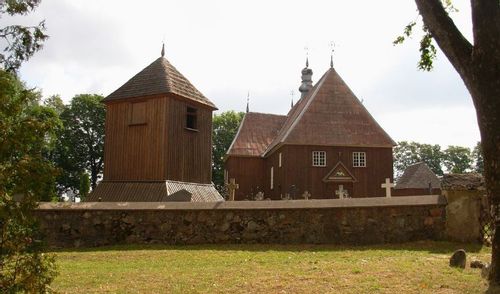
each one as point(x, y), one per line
point(420, 267)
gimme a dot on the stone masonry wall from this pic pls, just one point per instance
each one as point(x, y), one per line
point(347, 221)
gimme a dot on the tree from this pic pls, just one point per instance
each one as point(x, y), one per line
point(408, 153)
point(457, 159)
point(27, 130)
point(225, 127)
point(478, 64)
point(83, 138)
point(477, 156)
point(84, 186)
point(23, 41)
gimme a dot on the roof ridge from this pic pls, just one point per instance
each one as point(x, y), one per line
point(159, 77)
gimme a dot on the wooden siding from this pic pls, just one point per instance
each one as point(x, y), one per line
point(135, 152)
point(189, 152)
point(297, 170)
point(249, 175)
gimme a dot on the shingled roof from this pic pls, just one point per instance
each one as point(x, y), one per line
point(160, 77)
point(331, 115)
point(418, 176)
point(111, 191)
point(256, 132)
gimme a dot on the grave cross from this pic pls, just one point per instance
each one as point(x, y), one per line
point(231, 187)
point(341, 192)
point(387, 186)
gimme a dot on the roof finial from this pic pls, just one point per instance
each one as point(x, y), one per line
point(248, 101)
point(332, 46)
point(307, 56)
point(291, 93)
point(163, 50)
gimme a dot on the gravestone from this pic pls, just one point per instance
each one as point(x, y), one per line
point(458, 259)
point(341, 192)
point(231, 187)
point(387, 186)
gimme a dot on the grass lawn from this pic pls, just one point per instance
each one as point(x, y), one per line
point(419, 267)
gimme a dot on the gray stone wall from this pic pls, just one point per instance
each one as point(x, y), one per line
point(347, 221)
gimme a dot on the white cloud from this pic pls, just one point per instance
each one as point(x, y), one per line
point(227, 48)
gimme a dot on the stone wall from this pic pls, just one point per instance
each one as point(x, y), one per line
point(346, 221)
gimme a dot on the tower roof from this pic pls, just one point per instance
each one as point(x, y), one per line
point(331, 115)
point(160, 77)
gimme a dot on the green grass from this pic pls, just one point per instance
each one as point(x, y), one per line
point(420, 267)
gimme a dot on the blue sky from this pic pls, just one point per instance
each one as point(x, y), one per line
point(229, 48)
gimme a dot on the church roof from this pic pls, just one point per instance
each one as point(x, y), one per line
point(418, 176)
point(160, 77)
point(331, 115)
point(256, 132)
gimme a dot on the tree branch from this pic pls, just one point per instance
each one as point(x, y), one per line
point(448, 37)
point(486, 20)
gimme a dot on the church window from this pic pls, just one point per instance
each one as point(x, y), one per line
point(137, 113)
point(279, 159)
point(272, 177)
point(191, 118)
point(359, 159)
point(319, 158)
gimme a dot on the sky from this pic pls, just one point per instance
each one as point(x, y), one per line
point(228, 49)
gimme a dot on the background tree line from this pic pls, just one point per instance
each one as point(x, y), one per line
point(454, 159)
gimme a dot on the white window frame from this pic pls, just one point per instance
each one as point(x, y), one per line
point(359, 159)
point(279, 159)
point(272, 177)
point(319, 158)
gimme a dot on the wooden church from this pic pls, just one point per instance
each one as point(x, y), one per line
point(158, 140)
point(327, 146)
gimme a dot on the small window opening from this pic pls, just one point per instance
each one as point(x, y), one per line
point(191, 118)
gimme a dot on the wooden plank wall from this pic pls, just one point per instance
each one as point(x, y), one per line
point(135, 152)
point(298, 170)
point(248, 173)
point(189, 152)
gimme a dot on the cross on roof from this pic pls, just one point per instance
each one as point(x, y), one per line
point(387, 186)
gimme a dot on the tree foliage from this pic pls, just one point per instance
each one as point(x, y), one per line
point(408, 153)
point(81, 143)
point(477, 157)
point(22, 41)
point(27, 132)
point(457, 159)
point(225, 127)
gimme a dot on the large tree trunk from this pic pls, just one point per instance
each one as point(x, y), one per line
point(479, 68)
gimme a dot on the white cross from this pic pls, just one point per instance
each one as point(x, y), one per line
point(341, 192)
point(387, 186)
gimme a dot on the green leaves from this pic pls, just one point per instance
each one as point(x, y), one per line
point(427, 51)
point(22, 41)
point(26, 176)
point(225, 127)
point(406, 33)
